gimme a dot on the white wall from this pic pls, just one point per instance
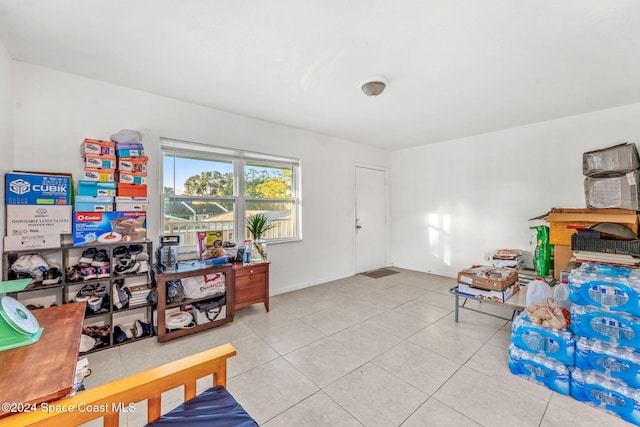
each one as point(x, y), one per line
point(454, 201)
point(6, 123)
point(56, 111)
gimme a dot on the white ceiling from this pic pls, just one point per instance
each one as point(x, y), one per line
point(456, 67)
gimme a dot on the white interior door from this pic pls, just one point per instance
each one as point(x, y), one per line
point(370, 219)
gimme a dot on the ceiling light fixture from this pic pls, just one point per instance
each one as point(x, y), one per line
point(374, 86)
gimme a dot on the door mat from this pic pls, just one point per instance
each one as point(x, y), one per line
point(382, 272)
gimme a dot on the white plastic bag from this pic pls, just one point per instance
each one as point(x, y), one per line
point(538, 292)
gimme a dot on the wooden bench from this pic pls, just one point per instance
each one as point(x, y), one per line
point(108, 400)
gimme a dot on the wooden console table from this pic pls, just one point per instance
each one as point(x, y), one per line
point(44, 371)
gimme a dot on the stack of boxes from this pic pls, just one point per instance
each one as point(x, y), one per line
point(38, 210)
point(112, 196)
point(97, 188)
point(606, 325)
point(612, 177)
point(596, 360)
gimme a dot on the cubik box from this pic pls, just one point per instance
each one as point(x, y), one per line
point(36, 189)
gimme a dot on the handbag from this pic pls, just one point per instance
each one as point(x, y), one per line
point(213, 307)
point(175, 291)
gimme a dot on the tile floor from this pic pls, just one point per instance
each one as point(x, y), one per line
point(365, 352)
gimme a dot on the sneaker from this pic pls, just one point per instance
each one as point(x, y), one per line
point(88, 273)
point(143, 259)
point(104, 271)
point(100, 259)
point(73, 274)
point(120, 297)
point(100, 291)
point(33, 265)
point(95, 304)
point(121, 252)
point(121, 334)
point(135, 249)
point(141, 329)
point(52, 276)
point(87, 257)
point(126, 266)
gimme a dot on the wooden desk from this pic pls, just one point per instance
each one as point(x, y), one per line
point(44, 371)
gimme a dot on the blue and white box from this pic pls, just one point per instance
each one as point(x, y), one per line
point(612, 395)
point(613, 288)
point(539, 369)
point(36, 189)
point(93, 204)
point(94, 228)
point(97, 188)
point(534, 338)
point(622, 363)
point(615, 328)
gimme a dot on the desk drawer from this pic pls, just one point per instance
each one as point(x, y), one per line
point(251, 289)
point(251, 270)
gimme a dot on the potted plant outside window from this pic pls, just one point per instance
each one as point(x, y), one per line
point(257, 225)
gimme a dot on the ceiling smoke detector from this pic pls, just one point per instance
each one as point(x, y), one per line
point(374, 86)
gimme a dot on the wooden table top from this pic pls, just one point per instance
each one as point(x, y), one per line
point(44, 371)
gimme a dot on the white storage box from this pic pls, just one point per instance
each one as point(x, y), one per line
point(38, 219)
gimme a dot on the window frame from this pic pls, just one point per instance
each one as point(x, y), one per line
point(239, 159)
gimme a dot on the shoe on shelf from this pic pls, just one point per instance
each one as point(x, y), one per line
point(120, 333)
point(100, 291)
point(95, 304)
point(141, 329)
point(126, 266)
point(121, 252)
point(100, 259)
point(88, 273)
point(73, 274)
point(135, 249)
point(87, 257)
point(120, 296)
point(143, 259)
point(52, 276)
point(103, 271)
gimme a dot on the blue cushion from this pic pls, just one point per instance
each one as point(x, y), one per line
point(214, 407)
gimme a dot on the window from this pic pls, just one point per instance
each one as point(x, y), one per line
point(214, 188)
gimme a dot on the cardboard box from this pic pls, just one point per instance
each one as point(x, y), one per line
point(37, 189)
point(132, 204)
point(133, 164)
point(99, 175)
point(93, 204)
point(562, 255)
point(132, 178)
point(613, 192)
point(108, 227)
point(28, 242)
point(23, 220)
point(92, 161)
point(563, 222)
point(132, 190)
point(97, 147)
point(97, 188)
point(497, 296)
point(488, 278)
point(611, 161)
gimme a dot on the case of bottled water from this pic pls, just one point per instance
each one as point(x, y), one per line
point(621, 363)
point(609, 287)
point(615, 328)
point(596, 389)
point(538, 339)
point(539, 369)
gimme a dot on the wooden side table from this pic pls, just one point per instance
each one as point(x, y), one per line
point(252, 284)
point(44, 371)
